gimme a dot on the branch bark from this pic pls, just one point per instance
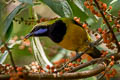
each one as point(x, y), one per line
point(65, 76)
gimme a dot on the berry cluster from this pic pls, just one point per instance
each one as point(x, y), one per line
point(23, 45)
point(31, 20)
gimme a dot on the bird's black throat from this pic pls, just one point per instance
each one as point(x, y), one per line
point(57, 31)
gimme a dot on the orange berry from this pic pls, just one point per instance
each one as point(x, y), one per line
point(56, 62)
point(105, 13)
point(104, 31)
point(66, 69)
point(70, 64)
point(118, 25)
point(48, 66)
point(85, 3)
point(104, 5)
point(84, 25)
point(88, 6)
point(107, 41)
point(112, 63)
point(75, 18)
point(30, 49)
point(20, 73)
point(110, 7)
point(53, 67)
point(19, 68)
point(98, 14)
point(78, 60)
point(11, 78)
point(104, 53)
point(91, 1)
point(42, 71)
point(100, 30)
point(112, 57)
point(76, 65)
point(61, 73)
point(27, 42)
point(66, 59)
point(62, 60)
point(78, 20)
point(7, 64)
point(114, 70)
point(52, 71)
point(94, 12)
point(91, 8)
point(111, 75)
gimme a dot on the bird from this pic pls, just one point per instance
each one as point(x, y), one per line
point(67, 33)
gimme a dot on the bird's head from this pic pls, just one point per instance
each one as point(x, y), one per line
point(54, 29)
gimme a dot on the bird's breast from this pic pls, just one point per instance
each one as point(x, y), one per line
point(75, 38)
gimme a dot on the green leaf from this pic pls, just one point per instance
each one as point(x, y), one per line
point(96, 24)
point(115, 7)
point(118, 37)
point(106, 1)
point(5, 24)
point(9, 31)
point(56, 6)
point(27, 1)
point(79, 4)
point(66, 8)
point(77, 11)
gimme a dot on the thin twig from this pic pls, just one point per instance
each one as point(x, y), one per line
point(73, 59)
point(85, 65)
point(11, 57)
point(97, 60)
point(108, 25)
point(106, 70)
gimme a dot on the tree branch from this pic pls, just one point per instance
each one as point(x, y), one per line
point(108, 25)
point(75, 75)
point(11, 57)
point(85, 64)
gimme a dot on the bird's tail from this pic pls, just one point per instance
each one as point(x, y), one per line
point(95, 53)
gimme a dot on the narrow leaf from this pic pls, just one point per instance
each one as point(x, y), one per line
point(4, 25)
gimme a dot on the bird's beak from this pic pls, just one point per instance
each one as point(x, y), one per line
point(27, 36)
